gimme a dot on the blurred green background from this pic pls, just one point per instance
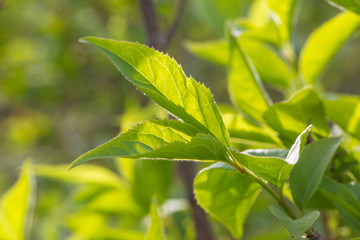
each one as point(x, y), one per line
point(60, 98)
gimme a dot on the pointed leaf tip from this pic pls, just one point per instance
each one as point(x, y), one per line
point(84, 39)
point(159, 139)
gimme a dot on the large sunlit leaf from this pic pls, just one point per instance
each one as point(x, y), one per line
point(160, 139)
point(163, 80)
point(351, 5)
point(296, 227)
point(16, 206)
point(307, 174)
point(350, 105)
point(291, 117)
point(324, 43)
point(269, 167)
point(270, 67)
point(156, 229)
point(245, 87)
point(341, 195)
point(226, 195)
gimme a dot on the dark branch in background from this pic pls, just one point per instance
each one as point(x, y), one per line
point(176, 22)
point(161, 41)
point(315, 236)
point(156, 38)
point(2, 3)
point(187, 173)
point(327, 230)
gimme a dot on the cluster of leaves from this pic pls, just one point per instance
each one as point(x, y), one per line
point(105, 189)
point(303, 151)
point(256, 50)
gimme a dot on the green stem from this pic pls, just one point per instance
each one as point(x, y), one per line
point(259, 180)
point(279, 197)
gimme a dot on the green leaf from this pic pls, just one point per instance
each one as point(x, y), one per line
point(350, 220)
point(148, 178)
point(284, 9)
point(160, 139)
point(216, 12)
point(134, 112)
point(291, 117)
point(16, 206)
point(99, 175)
point(351, 5)
point(323, 44)
point(296, 227)
point(259, 11)
point(270, 67)
point(226, 195)
point(107, 202)
point(297, 148)
point(347, 192)
point(265, 31)
point(91, 225)
point(216, 51)
point(354, 188)
point(246, 90)
point(307, 174)
point(280, 10)
point(350, 105)
point(341, 196)
point(273, 169)
point(163, 80)
point(243, 130)
point(319, 201)
point(156, 229)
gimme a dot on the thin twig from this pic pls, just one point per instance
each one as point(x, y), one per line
point(152, 28)
point(176, 21)
point(186, 171)
point(156, 38)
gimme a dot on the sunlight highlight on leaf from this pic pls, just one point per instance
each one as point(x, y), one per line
point(163, 80)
